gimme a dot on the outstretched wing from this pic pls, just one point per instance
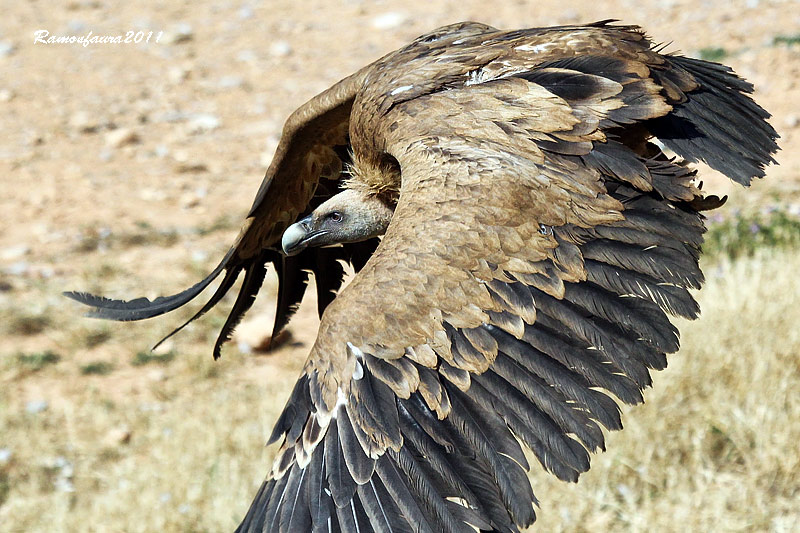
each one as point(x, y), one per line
point(538, 246)
point(306, 170)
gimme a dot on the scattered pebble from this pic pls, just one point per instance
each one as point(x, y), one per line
point(170, 116)
point(5, 456)
point(34, 407)
point(165, 347)
point(389, 20)
point(202, 122)
point(231, 82)
point(149, 194)
point(180, 33)
point(6, 95)
point(244, 348)
point(117, 436)
point(7, 48)
point(20, 268)
point(247, 56)
point(181, 156)
point(83, 122)
point(280, 49)
point(33, 138)
point(792, 120)
point(64, 484)
point(64, 470)
point(200, 256)
point(177, 74)
point(189, 200)
point(157, 375)
point(121, 137)
point(15, 252)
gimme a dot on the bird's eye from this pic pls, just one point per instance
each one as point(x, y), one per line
point(335, 216)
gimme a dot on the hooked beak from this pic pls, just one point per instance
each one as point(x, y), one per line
point(298, 236)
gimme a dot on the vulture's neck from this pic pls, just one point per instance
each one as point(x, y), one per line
point(375, 176)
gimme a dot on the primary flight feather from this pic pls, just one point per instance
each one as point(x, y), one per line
point(535, 238)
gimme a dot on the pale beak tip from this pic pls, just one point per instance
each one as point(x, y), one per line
point(292, 237)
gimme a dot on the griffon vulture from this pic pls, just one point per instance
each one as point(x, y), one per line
point(535, 238)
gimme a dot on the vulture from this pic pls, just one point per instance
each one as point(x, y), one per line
point(522, 217)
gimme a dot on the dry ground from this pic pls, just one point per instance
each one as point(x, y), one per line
point(126, 169)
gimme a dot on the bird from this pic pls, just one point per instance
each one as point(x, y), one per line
point(523, 216)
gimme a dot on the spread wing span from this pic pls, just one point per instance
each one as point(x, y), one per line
point(523, 287)
point(540, 241)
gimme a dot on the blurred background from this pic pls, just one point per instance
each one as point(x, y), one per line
point(126, 169)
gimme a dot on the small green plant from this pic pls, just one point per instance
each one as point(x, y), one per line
point(93, 238)
point(742, 235)
point(5, 487)
point(29, 324)
point(713, 53)
point(222, 222)
point(145, 358)
point(788, 40)
point(95, 338)
point(97, 368)
point(38, 360)
point(150, 236)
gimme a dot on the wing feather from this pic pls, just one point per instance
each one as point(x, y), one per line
point(306, 152)
point(537, 248)
point(538, 245)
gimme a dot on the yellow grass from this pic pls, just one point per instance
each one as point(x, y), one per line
point(714, 449)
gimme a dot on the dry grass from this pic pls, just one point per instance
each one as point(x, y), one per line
point(715, 446)
point(714, 449)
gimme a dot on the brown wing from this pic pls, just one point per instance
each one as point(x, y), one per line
point(538, 246)
point(305, 171)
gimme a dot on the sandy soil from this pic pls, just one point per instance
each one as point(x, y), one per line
point(126, 168)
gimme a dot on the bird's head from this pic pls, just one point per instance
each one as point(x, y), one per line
point(350, 216)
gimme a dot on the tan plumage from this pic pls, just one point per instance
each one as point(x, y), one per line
point(536, 241)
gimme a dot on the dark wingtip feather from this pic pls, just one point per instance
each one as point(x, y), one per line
point(254, 277)
point(719, 123)
point(141, 308)
point(227, 282)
